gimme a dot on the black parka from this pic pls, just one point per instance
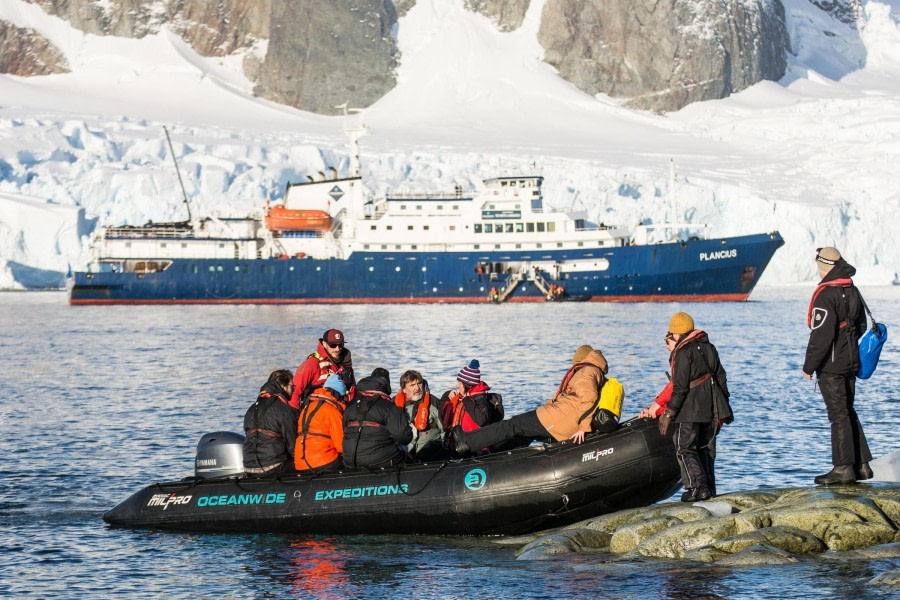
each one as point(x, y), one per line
point(271, 428)
point(695, 404)
point(837, 321)
point(374, 426)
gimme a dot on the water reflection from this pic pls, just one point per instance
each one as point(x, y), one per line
point(318, 569)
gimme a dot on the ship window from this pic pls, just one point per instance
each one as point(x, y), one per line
point(440, 207)
point(219, 268)
point(409, 227)
point(390, 227)
point(365, 246)
point(580, 244)
point(418, 207)
point(509, 228)
point(237, 268)
point(402, 207)
point(496, 246)
point(529, 227)
point(291, 268)
point(413, 247)
point(222, 245)
point(491, 206)
point(535, 193)
point(518, 245)
point(162, 245)
point(488, 228)
point(184, 244)
point(194, 268)
point(426, 227)
point(384, 246)
point(559, 244)
point(477, 247)
point(388, 258)
point(366, 258)
point(453, 228)
point(476, 228)
point(430, 258)
point(456, 207)
point(540, 227)
point(128, 244)
point(519, 228)
point(212, 269)
point(551, 227)
point(539, 245)
point(397, 247)
point(373, 227)
point(518, 206)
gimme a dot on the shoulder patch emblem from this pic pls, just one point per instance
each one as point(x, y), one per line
point(818, 317)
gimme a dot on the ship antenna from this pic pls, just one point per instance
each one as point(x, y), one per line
point(355, 129)
point(178, 171)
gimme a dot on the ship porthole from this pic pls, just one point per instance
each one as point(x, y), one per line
point(318, 268)
point(481, 289)
point(630, 288)
point(292, 268)
point(397, 269)
point(460, 288)
point(371, 268)
point(424, 268)
point(433, 289)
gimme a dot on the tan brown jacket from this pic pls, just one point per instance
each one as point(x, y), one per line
point(560, 414)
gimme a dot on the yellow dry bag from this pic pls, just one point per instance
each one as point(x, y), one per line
point(611, 396)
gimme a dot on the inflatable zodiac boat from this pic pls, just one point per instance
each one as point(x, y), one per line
point(512, 492)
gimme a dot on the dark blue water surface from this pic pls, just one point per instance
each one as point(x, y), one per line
point(99, 401)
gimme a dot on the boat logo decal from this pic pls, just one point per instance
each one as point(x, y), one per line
point(165, 500)
point(718, 254)
point(475, 479)
point(336, 193)
point(596, 454)
point(225, 500)
point(360, 492)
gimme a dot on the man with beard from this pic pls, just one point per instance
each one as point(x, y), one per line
point(329, 358)
point(423, 414)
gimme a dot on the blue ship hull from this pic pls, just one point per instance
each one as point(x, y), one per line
point(724, 269)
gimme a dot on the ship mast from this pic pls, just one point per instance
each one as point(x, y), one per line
point(178, 171)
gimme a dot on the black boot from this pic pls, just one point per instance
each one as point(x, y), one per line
point(840, 474)
point(695, 494)
point(459, 440)
point(863, 471)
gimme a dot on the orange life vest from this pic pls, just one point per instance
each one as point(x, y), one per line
point(420, 422)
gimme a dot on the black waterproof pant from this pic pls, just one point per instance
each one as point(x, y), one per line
point(848, 442)
point(520, 428)
point(695, 449)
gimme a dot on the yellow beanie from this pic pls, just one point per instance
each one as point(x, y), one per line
point(581, 353)
point(681, 323)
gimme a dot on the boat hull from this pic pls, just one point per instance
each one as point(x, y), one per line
point(698, 270)
point(507, 493)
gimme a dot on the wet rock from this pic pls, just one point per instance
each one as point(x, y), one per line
point(518, 540)
point(628, 536)
point(611, 522)
point(789, 539)
point(850, 536)
point(891, 550)
point(889, 503)
point(678, 540)
point(563, 542)
point(891, 579)
point(758, 555)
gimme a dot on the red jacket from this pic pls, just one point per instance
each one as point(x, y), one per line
point(313, 372)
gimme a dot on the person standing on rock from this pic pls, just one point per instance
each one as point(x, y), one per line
point(836, 319)
point(699, 403)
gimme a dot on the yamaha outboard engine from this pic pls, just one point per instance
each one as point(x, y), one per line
point(219, 454)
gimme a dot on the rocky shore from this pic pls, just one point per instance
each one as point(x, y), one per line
point(762, 527)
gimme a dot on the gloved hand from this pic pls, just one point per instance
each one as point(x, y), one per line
point(664, 420)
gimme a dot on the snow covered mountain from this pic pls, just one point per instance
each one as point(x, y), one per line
point(813, 155)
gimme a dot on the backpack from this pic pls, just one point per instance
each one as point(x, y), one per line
point(609, 406)
point(870, 346)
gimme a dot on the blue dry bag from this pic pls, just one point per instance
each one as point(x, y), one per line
point(870, 349)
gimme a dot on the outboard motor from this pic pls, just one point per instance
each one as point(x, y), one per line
point(219, 454)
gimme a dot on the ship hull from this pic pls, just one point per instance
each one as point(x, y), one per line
point(724, 269)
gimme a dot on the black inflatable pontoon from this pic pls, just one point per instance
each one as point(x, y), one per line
point(522, 490)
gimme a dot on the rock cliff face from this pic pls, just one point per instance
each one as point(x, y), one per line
point(654, 54)
point(508, 14)
point(324, 54)
point(664, 54)
point(24, 52)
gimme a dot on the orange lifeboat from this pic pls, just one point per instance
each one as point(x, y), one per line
point(280, 218)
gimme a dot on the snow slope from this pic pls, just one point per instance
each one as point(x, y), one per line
point(813, 156)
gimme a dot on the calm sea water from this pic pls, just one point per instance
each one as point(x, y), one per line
point(97, 402)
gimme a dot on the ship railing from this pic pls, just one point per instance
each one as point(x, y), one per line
point(148, 232)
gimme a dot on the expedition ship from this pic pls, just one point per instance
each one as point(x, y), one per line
point(328, 243)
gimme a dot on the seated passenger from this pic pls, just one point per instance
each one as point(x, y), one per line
point(320, 428)
point(374, 428)
point(470, 405)
point(271, 428)
point(567, 415)
point(423, 414)
point(384, 374)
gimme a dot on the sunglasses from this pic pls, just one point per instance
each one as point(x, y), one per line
point(670, 337)
point(330, 345)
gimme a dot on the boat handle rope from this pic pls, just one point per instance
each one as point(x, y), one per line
point(430, 479)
